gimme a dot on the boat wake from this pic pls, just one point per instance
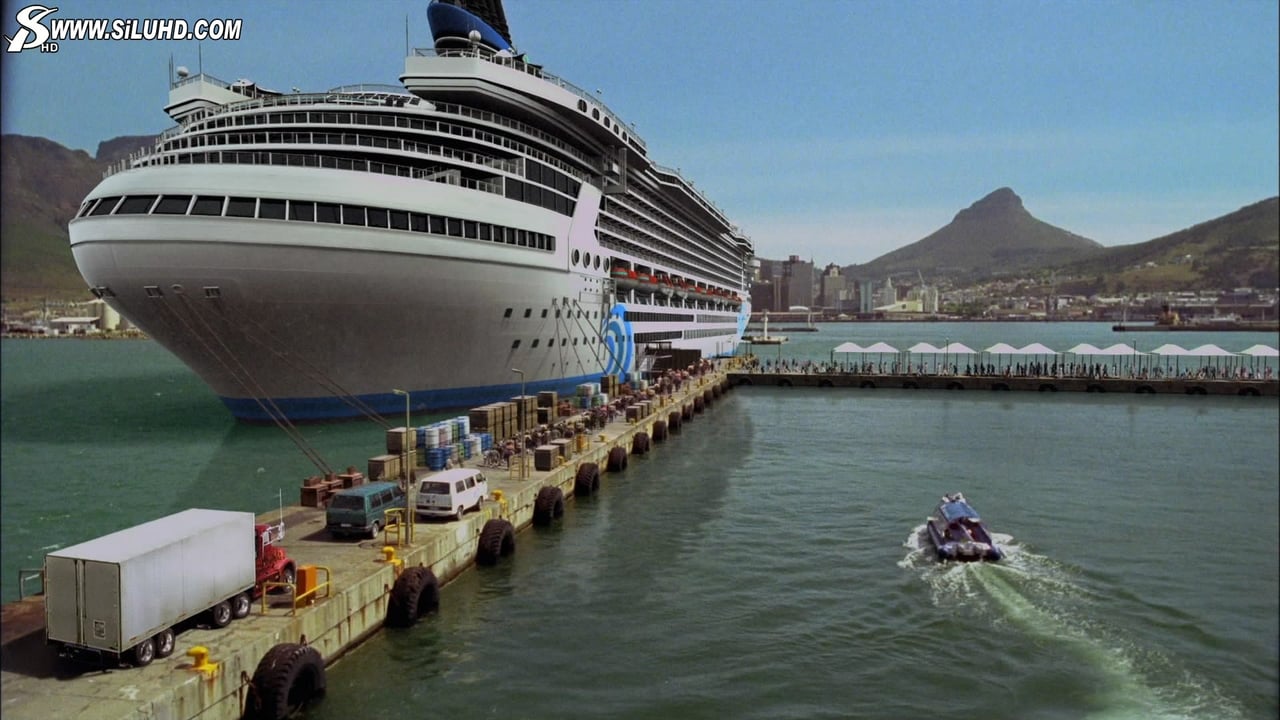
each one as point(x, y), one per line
point(1040, 597)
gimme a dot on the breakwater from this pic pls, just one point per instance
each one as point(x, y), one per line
point(999, 383)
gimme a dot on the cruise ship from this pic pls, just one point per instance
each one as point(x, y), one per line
point(482, 229)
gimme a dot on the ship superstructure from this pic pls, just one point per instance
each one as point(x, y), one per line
point(307, 253)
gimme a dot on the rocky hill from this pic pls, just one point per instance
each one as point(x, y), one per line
point(44, 184)
point(994, 236)
point(1240, 249)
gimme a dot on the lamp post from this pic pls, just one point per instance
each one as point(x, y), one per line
point(520, 421)
point(410, 508)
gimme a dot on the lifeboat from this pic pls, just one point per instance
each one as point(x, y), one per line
point(624, 278)
point(664, 285)
point(644, 282)
point(681, 288)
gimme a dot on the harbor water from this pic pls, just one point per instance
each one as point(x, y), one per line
point(766, 562)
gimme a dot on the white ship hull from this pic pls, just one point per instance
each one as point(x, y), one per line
point(311, 255)
point(304, 316)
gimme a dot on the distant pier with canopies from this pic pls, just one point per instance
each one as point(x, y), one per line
point(1169, 369)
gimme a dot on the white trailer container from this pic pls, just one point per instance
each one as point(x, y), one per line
point(126, 591)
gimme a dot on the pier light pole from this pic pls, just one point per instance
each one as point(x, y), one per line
point(408, 479)
point(520, 420)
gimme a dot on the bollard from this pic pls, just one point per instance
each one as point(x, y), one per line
point(200, 661)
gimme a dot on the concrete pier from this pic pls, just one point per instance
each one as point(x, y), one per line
point(866, 381)
point(35, 684)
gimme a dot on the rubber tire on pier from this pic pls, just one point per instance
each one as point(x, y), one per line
point(587, 480)
point(416, 593)
point(497, 540)
point(707, 398)
point(673, 421)
point(617, 459)
point(549, 505)
point(640, 443)
point(699, 405)
point(1048, 387)
point(659, 430)
point(686, 412)
point(825, 383)
point(288, 677)
point(954, 385)
point(867, 385)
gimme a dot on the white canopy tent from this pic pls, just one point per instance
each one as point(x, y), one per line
point(1257, 353)
point(844, 348)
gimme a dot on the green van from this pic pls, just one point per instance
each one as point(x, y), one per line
point(361, 510)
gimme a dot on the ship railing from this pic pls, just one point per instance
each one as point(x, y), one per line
point(247, 138)
point(197, 78)
point(494, 186)
point(693, 191)
point(483, 53)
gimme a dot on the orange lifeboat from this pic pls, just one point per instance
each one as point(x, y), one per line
point(644, 282)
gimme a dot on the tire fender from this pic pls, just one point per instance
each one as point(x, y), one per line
point(416, 593)
point(497, 540)
point(288, 677)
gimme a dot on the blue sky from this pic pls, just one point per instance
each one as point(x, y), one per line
point(837, 130)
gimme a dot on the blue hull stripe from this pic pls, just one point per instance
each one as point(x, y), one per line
point(391, 406)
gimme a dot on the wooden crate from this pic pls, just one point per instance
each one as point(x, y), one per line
point(544, 457)
point(399, 438)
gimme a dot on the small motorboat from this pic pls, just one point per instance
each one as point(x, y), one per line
point(957, 532)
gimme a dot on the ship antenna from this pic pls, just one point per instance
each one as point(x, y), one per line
point(200, 58)
point(406, 34)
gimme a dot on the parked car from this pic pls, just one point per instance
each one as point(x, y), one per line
point(363, 510)
point(451, 493)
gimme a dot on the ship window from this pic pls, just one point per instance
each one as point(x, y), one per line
point(607, 124)
point(575, 342)
point(378, 217)
point(515, 344)
point(352, 215)
point(242, 207)
point(595, 113)
point(437, 224)
point(551, 342)
point(528, 312)
point(557, 314)
point(582, 105)
point(469, 229)
point(136, 205)
point(533, 194)
point(399, 220)
point(564, 341)
point(597, 263)
point(271, 209)
point(507, 314)
point(105, 206)
point(576, 257)
point(514, 189)
point(206, 205)
point(305, 211)
point(522, 239)
point(510, 234)
point(326, 212)
point(418, 222)
point(486, 231)
point(455, 227)
point(544, 312)
point(535, 343)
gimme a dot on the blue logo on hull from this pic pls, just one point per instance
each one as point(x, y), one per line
point(619, 342)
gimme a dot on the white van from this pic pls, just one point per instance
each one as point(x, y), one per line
point(451, 493)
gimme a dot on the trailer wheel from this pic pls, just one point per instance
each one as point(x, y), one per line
point(287, 678)
point(497, 539)
point(416, 593)
point(548, 505)
point(240, 605)
point(164, 643)
point(220, 614)
point(143, 653)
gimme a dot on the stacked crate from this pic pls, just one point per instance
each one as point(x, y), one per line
point(547, 402)
point(609, 385)
point(526, 407)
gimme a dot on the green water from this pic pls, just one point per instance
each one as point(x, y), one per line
point(765, 563)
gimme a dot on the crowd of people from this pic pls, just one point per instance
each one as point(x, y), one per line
point(1055, 369)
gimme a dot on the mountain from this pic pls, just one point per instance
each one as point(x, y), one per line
point(1240, 249)
point(44, 184)
point(995, 235)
